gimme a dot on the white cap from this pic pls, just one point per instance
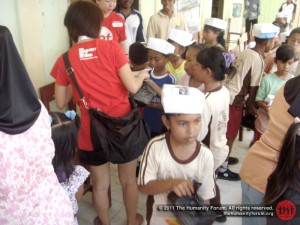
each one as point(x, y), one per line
point(182, 99)
point(160, 45)
point(265, 30)
point(216, 22)
point(181, 37)
point(281, 15)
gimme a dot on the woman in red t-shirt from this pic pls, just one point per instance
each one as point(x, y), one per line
point(113, 25)
point(103, 74)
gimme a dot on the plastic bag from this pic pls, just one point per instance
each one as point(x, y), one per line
point(191, 217)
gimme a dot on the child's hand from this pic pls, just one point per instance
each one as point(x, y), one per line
point(182, 187)
point(144, 73)
point(154, 86)
point(265, 106)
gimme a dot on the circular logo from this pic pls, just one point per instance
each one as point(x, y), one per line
point(106, 34)
point(286, 210)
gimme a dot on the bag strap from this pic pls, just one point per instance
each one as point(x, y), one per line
point(70, 72)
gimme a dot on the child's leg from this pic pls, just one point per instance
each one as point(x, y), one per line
point(130, 192)
point(216, 201)
point(101, 179)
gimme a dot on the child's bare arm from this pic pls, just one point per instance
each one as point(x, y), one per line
point(252, 95)
point(181, 187)
point(79, 193)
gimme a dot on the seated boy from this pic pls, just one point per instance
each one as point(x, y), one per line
point(173, 160)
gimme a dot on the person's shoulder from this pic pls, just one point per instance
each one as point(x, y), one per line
point(205, 152)
point(156, 144)
point(116, 16)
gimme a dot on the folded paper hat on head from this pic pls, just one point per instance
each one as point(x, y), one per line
point(216, 22)
point(181, 37)
point(160, 45)
point(265, 30)
point(182, 99)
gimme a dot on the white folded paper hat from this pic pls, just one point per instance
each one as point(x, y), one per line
point(182, 99)
point(216, 22)
point(160, 45)
point(265, 30)
point(181, 37)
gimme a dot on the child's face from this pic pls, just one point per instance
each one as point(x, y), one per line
point(200, 73)
point(284, 68)
point(191, 61)
point(209, 36)
point(294, 40)
point(157, 61)
point(184, 127)
point(179, 50)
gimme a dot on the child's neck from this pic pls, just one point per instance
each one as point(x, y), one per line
point(210, 44)
point(194, 83)
point(159, 72)
point(183, 151)
point(259, 49)
point(283, 76)
point(212, 85)
point(176, 62)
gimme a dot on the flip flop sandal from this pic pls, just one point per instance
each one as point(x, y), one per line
point(139, 219)
point(97, 221)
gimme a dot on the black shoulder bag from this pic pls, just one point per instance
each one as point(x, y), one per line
point(119, 139)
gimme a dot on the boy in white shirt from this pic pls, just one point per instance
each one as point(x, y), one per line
point(173, 160)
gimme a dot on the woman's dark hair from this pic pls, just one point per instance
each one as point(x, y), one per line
point(64, 136)
point(220, 38)
point(286, 174)
point(83, 18)
point(284, 53)
point(218, 61)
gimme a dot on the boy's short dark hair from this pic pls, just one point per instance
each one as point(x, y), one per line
point(138, 53)
point(284, 53)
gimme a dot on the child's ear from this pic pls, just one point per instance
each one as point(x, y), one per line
point(166, 122)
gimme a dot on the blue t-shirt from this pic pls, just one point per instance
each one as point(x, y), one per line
point(152, 116)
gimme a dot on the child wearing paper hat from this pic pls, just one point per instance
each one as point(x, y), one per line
point(250, 67)
point(159, 52)
point(181, 40)
point(173, 160)
point(213, 32)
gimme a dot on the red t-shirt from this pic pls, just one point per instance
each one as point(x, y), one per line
point(96, 64)
point(113, 28)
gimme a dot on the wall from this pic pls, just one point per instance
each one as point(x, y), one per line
point(39, 34)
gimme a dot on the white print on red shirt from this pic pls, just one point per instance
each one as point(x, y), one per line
point(85, 54)
point(106, 34)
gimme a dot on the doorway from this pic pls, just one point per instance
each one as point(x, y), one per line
point(217, 9)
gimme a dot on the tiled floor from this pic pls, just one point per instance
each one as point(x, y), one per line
point(230, 193)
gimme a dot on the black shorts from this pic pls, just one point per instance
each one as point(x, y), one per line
point(93, 158)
